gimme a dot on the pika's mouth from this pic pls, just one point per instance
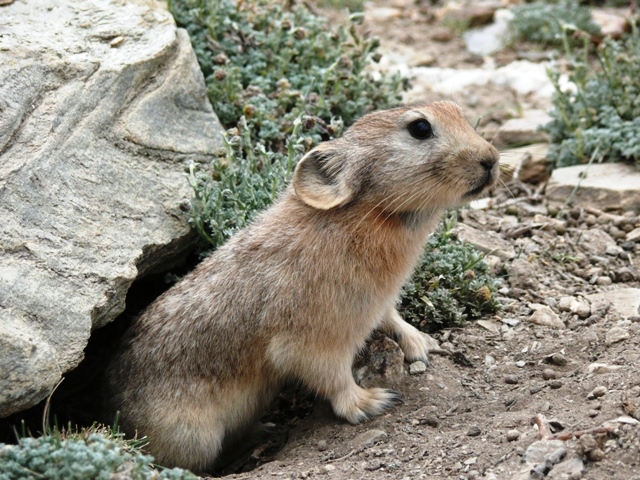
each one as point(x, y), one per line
point(486, 182)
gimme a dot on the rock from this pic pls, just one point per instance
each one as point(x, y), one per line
point(538, 451)
point(524, 130)
point(528, 164)
point(545, 317)
point(616, 334)
point(381, 357)
point(485, 40)
point(605, 185)
point(611, 24)
point(599, 368)
point(597, 392)
point(322, 445)
point(522, 274)
point(327, 469)
point(474, 431)
point(521, 364)
point(511, 379)
point(549, 374)
point(555, 384)
point(513, 435)
point(580, 307)
point(596, 241)
point(570, 469)
point(368, 438)
point(624, 302)
point(486, 241)
point(417, 367)
point(634, 235)
point(467, 16)
point(100, 105)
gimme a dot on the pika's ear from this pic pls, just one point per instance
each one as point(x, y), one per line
point(319, 179)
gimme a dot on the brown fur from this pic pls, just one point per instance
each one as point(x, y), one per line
point(296, 294)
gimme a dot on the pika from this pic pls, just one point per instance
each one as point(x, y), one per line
point(295, 295)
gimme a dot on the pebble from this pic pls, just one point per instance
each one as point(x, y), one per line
point(474, 431)
point(328, 468)
point(555, 384)
point(417, 367)
point(535, 389)
point(546, 317)
point(596, 455)
point(369, 437)
point(593, 413)
point(558, 359)
point(549, 374)
point(597, 392)
point(604, 281)
point(513, 435)
point(322, 445)
point(615, 335)
point(511, 379)
point(520, 363)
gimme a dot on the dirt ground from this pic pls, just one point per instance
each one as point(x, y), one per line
point(504, 398)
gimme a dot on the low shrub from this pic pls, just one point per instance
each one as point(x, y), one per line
point(94, 455)
point(451, 285)
point(600, 119)
point(282, 80)
point(547, 23)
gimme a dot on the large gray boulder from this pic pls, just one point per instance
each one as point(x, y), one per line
point(101, 106)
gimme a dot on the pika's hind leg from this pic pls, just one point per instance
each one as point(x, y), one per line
point(412, 341)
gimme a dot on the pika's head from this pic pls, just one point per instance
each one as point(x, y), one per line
point(402, 160)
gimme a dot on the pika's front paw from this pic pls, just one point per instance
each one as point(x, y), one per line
point(415, 344)
point(361, 404)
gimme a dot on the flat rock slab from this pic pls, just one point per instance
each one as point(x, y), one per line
point(524, 130)
point(102, 106)
point(486, 241)
point(624, 302)
point(602, 186)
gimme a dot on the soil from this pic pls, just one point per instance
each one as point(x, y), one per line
point(502, 398)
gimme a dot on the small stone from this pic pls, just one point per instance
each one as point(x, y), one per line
point(604, 281)
point(322, 445)
point(417, 367)
point(549, 374)
point(520, 363)
point(544, 316)
point(511, 379)
point(615, 335)
point(593, 413)
point(564, 305)
point(596, 455)
point(513, 435)
point(555, 384)
point(368, 438)
point(603, 368)
point(558, 359)
point(581, 308)
point(597, 392)
point(474, 431)
point(327, 469)
point(535, 389)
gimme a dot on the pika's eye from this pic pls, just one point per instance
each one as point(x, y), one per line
point(420, 129)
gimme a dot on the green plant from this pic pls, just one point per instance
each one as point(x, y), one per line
point(600, 119)
point(547, 23)
point(281, 80)
point(95, 453)
point(452, 283)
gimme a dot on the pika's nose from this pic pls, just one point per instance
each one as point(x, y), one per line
point(488, 163)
